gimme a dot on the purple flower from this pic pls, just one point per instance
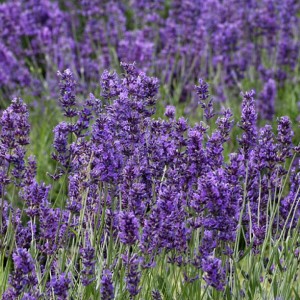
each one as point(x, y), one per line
point(170, 112)
point(110, 85)
point(196, 154)
point(25, 233)
point(156, 295)
point(52, 228)
point(284, 137)
point(225, 124)
point(28, 296)
point(60, 143)
point(128, 228)
point(214, 272)
point(74, 192)
point(267, 148)
point(30, 171)
point(107, 288)
point(136, 47)
point(151, 229)
point(88, 261)
point(14, 135)
point(34, 195)
point(215, 149)
point(67, 87)
point(133, 275)
point(248, 123)
point(24, 275)
point(60, 285)
point(23, 261)
point(217, 205)
point(266, 103)
point(202, 90)
point(171, 224)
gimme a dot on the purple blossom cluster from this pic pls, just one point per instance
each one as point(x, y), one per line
point(148, 186)
point(23, 277)
point(178, 40)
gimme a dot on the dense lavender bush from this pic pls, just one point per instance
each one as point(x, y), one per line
point(141, 196)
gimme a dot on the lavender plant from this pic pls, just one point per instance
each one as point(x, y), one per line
point(148, 208)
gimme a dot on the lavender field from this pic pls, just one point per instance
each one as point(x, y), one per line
point(149, 149)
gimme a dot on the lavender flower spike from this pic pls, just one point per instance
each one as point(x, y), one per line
point(128, 226)
point(67, 93)
point(107, 288)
